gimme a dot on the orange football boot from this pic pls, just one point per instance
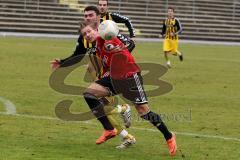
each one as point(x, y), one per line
point(172, 145)
point(107, 134)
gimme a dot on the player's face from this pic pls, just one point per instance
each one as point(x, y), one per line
point(170, 13)
point(90, 16)
point(102, 6)
point(89, 33)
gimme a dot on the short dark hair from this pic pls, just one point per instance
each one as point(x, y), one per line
point(103, 0)
point(92, 8)
point(172, 8)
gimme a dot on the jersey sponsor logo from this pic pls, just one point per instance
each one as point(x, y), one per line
point(109, 47)
point(137, 100)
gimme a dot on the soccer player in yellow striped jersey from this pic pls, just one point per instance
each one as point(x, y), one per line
point(170, 31)
point(105, 15)
point(91, 14)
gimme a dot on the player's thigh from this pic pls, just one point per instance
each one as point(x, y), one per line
point(102, 87)
point(174, 46)
point(97, 90)
point(167, 45)
point(131, 89)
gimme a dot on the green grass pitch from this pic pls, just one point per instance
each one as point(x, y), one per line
point(203, 108)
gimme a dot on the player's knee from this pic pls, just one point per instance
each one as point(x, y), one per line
point(142, 109)
point(91, 99)
point(166, 52)
point(94, 104)
point(90, 91)
point(88, 96)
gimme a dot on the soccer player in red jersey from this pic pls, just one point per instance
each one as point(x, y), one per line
point(109, 122)
point(124, 78)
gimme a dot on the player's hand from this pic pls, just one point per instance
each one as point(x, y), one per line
point(134, 40)
point(172, 34)
point(55, 64)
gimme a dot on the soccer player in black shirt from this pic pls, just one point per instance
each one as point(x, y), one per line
point(105, 15)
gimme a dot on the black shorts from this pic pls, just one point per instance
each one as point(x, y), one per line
point(130, 88)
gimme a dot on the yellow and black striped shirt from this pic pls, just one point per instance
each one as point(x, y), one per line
point(119, 19)
point(107, 16)
point(82, 48)
point(87, 44)
point(91, 51)
point(171, 26)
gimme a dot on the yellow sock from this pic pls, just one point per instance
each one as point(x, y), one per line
point(124, 108)
point(115, 123)
point(129, 136)
point(115, 110)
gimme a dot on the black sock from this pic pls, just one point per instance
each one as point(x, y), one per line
point(97, 108)
point(156, 120)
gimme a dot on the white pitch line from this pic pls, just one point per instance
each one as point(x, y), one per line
point(9, 106)
point(43, 117)
point(208, 136)
point(136, 128)
point(192, 134)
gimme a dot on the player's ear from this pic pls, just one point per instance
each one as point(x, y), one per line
point(96, 32)
point(95, 26)
point(98, 18)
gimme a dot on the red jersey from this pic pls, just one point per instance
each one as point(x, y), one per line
point(116, 58)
